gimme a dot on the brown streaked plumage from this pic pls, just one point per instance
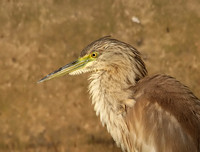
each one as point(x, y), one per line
point(169, 114)
point(142, 113)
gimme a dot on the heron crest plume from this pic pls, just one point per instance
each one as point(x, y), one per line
point(142, 113)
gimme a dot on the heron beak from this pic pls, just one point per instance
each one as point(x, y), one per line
point(68, 68)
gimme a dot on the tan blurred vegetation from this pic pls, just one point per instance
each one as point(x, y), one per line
point(37, 37)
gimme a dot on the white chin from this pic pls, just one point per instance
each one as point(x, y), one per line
point(80, 71)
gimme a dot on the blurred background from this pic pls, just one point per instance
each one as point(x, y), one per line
point(37, 37)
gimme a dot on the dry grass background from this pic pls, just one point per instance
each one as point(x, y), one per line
point(37, 37)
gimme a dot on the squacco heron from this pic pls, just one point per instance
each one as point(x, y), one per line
point(142, 113)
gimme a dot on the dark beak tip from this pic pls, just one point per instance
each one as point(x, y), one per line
point(41, 80)
point(49, 76)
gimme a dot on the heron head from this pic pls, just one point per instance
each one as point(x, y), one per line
point(104, 54)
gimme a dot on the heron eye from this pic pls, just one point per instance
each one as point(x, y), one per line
point(94, 55)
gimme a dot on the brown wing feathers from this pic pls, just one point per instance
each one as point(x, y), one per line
point(163, 101)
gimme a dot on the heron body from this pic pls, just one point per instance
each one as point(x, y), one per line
point(142, 113)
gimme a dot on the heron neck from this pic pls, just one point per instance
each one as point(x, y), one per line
point(108, 91)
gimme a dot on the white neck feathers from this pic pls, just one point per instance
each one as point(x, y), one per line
point(107, 96)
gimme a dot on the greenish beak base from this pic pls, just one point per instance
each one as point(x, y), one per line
point(69, 68)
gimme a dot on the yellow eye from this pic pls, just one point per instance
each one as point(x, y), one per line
point(94, 54)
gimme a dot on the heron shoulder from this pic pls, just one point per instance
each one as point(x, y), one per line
point(168, 105)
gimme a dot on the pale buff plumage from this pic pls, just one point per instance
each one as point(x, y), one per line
point(142, 113)
point(135, 108)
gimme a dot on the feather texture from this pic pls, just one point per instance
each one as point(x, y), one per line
point(142, 113)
